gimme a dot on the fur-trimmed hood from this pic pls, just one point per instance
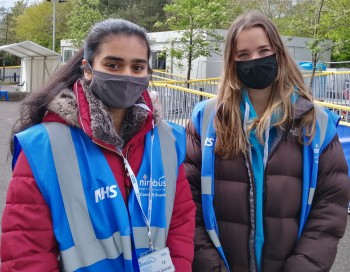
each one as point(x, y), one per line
point(79, 107)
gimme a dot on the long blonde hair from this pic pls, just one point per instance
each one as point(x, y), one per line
point(227, 122)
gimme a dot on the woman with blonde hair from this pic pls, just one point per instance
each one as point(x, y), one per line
point(261, 162)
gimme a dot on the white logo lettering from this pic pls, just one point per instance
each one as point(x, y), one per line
point(160, 182)
point(209, 141)
point(105, 192)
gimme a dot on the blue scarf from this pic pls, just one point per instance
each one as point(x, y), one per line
point(258, 155)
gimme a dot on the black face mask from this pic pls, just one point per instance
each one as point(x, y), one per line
point(257, 73)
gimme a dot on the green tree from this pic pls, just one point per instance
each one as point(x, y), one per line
point(35, 23)
point(277, 10)
point(7, 30)
point(196, 21)
point(86, 13)
point(341, 33)
point(142, 12)
point(83, 15)
point(321, 20)
point(8, 22)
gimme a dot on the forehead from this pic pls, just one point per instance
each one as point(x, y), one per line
point(122, 46)
point(251, 38)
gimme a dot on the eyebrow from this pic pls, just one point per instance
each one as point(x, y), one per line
point(260, 47)
point(112, 58)
point(264, 46)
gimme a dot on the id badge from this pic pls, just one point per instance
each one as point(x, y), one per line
point(156, 261)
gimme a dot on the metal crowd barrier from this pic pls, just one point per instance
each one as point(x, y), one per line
point(331, 87)
point(342, 111)
point(156, 73)
point(178, 103)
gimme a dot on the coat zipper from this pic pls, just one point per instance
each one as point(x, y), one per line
point(273, 149)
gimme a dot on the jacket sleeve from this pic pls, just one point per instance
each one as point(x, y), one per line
point(317, 246)
point(206, 257)
point(181, 231)
point(28, 243)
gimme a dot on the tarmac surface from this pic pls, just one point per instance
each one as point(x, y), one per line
point(9, 112)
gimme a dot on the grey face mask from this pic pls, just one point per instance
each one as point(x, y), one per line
point(117, 91)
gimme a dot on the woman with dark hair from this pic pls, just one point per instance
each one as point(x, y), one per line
point(98, 179)
point(265, 165)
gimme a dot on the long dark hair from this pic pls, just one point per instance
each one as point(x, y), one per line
point(34, 106)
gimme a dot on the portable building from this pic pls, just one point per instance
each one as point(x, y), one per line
point(37, 63)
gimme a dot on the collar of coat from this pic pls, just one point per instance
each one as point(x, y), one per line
point(80, 108)
point(301, 107)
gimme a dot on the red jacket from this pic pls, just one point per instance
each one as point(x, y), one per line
point(28, 242)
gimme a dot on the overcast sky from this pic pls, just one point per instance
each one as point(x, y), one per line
point(10, 3)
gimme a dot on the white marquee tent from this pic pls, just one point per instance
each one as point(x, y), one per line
point(37, 63)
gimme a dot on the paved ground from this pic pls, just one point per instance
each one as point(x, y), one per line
point(8, 115)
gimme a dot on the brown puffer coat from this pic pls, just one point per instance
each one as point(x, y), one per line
point(316, 249)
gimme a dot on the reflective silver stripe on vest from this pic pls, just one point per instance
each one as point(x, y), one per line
point(311, 195)
point(322, 120)
point(142, 241)
point(214, 237)
point(70, 183)
point(206, 185)
point(97, 250)
point(169, 159)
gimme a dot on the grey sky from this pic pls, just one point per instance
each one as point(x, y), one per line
point(9, 3)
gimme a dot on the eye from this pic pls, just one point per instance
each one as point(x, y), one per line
point(242, 55)
point(265, 50)
point(138, 67)
point(113, 65)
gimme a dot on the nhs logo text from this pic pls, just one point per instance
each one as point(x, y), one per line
point(105, 192)
point(209, 141)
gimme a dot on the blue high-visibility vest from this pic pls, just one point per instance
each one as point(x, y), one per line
point(202, 118)
point(94, 229)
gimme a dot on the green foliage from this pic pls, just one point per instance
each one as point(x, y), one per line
point(277, 10)
point(8, 22)
point(321, 20)
point(142, 12)
point(196, 21)
point(84, 14)
point(36, 23)
point(7, 30)
point(74, 18)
